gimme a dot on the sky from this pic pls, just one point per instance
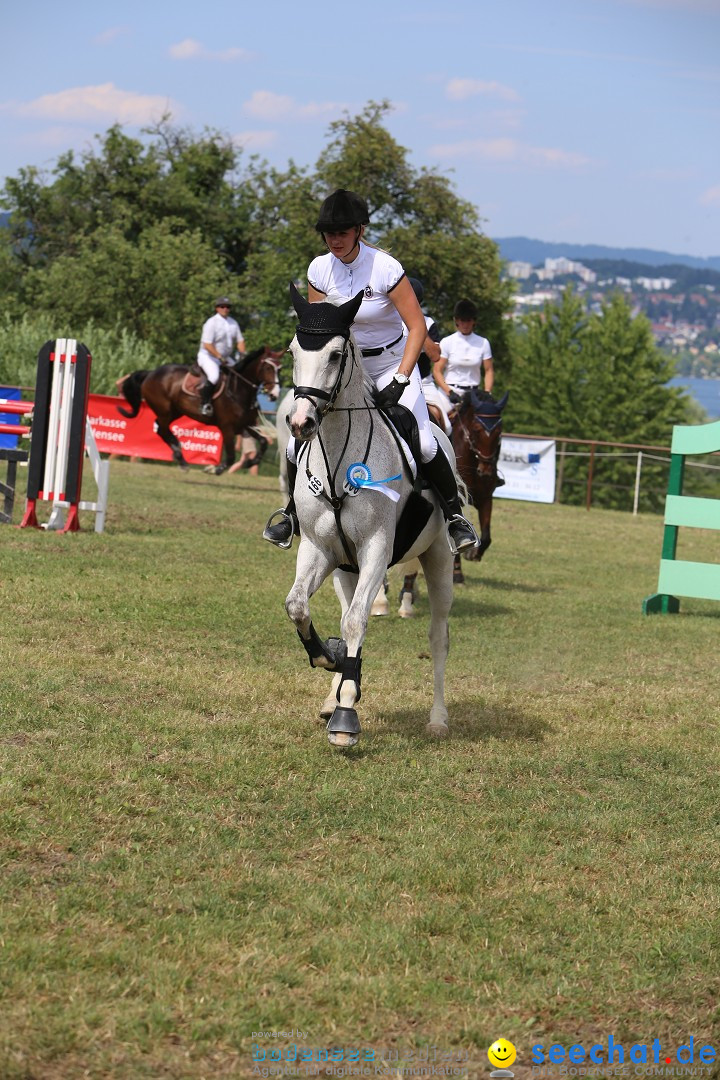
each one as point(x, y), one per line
point(575, 121)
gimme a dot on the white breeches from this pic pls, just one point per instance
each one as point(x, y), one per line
point(209, 365)
point(435, 396)
point(413, 399)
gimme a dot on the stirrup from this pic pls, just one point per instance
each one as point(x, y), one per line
point(279, 539)
point(462, 543)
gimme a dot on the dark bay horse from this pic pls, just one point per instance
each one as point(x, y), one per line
point(169, 396)
point(476, 431)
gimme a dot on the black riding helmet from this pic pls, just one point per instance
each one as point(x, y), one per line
point(465, 310)
point(417, 288)
point(342, 210)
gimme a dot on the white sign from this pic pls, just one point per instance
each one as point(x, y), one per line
point(528, 467)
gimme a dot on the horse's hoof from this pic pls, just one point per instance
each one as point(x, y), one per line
point(380, 607)
point(343, 727)
point(458, 577)
point(406, 609)
point(342, 739)
point(438, 729)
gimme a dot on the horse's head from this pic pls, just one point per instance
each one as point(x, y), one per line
point(319, 351)
point(480, 423)
point(269, 376)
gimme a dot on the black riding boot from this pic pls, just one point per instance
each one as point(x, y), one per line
point(439, 474)
point(282, 533)
point(206, 395)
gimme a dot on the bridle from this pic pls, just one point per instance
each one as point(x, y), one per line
point(314, 392)
point(489, 424)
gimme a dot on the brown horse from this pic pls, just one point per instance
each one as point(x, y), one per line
point(170, 395)
point(476, 430)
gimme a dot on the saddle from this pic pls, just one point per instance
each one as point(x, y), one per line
point(195, 377)
point(418, 509)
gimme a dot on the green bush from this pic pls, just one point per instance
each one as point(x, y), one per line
point(114, 352)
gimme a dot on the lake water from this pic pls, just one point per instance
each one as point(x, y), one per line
point(705, 391)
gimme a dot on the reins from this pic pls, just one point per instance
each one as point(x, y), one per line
point(335, 501)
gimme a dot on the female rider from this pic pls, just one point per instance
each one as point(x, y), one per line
point(389, 357)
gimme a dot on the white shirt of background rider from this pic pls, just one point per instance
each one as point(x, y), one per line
point(224, 334)
point(465, 354)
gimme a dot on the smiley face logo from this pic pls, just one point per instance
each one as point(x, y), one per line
point(501, 1053)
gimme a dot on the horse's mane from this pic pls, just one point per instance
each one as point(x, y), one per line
point(248, 359)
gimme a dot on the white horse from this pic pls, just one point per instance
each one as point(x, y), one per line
point(380, 605)
point(350, 465)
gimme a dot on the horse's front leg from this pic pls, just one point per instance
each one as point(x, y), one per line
point(228, 454)
point(312, 567)
point(344, 725)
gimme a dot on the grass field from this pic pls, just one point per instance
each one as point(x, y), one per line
point(185, 861)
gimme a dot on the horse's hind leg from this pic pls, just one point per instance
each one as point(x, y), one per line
point(168, 436)
point(437, 566)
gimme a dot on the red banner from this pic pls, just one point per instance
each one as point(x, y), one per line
point(116, 434)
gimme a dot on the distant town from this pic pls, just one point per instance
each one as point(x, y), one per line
point(681, 302)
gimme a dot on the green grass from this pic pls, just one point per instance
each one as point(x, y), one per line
point(184, 859)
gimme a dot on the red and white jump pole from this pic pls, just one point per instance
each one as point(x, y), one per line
point(59, 429)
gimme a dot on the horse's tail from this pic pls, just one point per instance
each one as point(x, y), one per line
point(130, 387)
point(463, 490)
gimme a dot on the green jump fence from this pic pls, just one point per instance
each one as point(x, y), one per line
point(679, 577)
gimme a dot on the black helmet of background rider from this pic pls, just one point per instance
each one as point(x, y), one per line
point(342, 210)
point(417, 288)
point(465, 310)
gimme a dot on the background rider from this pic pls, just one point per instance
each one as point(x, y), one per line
point(220, 337)
point(465, 359)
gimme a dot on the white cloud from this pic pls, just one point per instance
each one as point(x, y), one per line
point(265, 105)
point(105, 102)
point(511, 151)
point(711, 197)
point(189, 49)
point(462, 89)
point(110, 35)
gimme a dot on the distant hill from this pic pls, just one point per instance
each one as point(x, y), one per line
point(522, 249)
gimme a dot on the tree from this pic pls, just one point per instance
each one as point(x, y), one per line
point(160, 287)
point(595, 377)
point(142, 232)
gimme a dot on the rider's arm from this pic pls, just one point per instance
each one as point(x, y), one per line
point(314, 295)
point(489, 372)
point(431, 349)
point(210, 348)
point(409, 311)
point(439, 374)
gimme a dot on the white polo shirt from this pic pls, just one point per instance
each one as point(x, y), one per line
point(221, 331)
point(464, 354)
point(376, 273)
